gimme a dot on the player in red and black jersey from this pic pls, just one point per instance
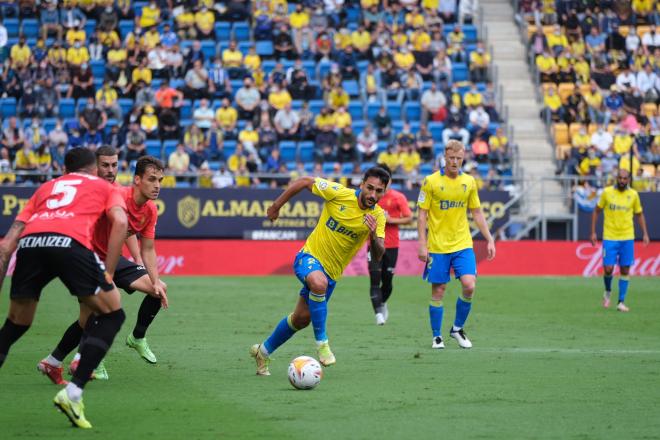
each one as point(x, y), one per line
point(53, 234)
point(140, 275)
point(397, 212)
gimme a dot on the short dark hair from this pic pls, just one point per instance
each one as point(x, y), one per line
point(146, 162)
point(386, 168)
point(378, 172)
point(78, 159)
point(106, 150)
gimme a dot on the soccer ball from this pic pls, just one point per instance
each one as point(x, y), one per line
point(305, 373)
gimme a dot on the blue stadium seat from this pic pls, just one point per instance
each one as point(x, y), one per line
point(229, 148)
point(155, 83)
point(30, 27)
point(12, 25)
point(168, 147)
point(291, 165)
point(470, 32)
point(315, 106)
point(288, 150)
point(356, 110)
point(323, 69)
point(90, 28)
point(310, 67)
point(425, 169)
point(328, 167)
point(412, 110)
point(208, 49)
point(98, 83)
point(125, 27)
point(186, 109)
point(268, 65)
point(364, 166)
point(241, 31)
point(222, 31)
point(382, 146)
point(126, 105)
point(460, 72)
point(8, 107)
point(353, 14)
point(372, 110)
point(154, 148)
point(296, 104)
point(306, 151)
point(394, 110)
point(347, 168)
point(265, 48)
point(67, 108)
point(49, 124)
point(98, 68)
point(358, 126)
point(214, 165)
point(436, 130)
point(397, 126)
point(244, 46)
point(352, 88)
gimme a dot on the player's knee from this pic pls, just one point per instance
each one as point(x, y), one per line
point(20, 319)
point(607, 270)
point(318, 285)
point(301, 320)
point(468, 289)
point(438, 292)
point(625, 270)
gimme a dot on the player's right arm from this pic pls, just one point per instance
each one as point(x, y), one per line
point(134, 249)
point(594, 218)
point(423, 204)
point(115, 210)
point(8, 246)
point(294, 188)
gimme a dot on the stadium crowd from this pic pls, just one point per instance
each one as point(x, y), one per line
point(599, 66)
point(227, 91)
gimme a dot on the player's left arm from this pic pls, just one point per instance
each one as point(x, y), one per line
point(150, 262)
point(8, 246)
point(134, 249)
point(637, 209)
point(376, 227)
point(480, 220)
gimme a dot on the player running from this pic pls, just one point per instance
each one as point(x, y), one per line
point(348, 219)
point(619, 203)
point(397, 212)
point(443, 202)
point(53, 234)
point(130, 276)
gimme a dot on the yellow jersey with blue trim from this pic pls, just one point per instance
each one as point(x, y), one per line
point(618, 208)
point(447, 201)
point(341, 230)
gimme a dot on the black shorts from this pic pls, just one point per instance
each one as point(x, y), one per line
point(387, 263)
point(43, 257)
point(126, 273)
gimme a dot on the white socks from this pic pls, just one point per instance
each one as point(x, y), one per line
point(50, 360)
point(74, 392)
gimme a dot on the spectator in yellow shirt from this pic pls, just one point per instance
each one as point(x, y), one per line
point(151, 38)
point(77, 55)
point(150, 15)
point(185, 25)
point(238, 159)
point(552, 105)
point(391, 158)
point(342, 118)
point(252, 60)
point(149, 122)
point(547, 67)
point(141, 73)
point(232, 60)
point(26, 160)
point(498, 145)
point(205, 24)
point(338, 98)
point(420, 40)
point(479, 62)
point(557, 41)
point(414, 19)
point(20, 54)
point(473, 98)
point(589, 164)
point(226, 117)
point(75, 34)
point(361, 40)
point(623, 142)
point(404, 59)
point(278, 98)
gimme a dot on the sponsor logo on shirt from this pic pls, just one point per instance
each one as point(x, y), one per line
point(335, 226)
point(613, 207)
point(449, 204)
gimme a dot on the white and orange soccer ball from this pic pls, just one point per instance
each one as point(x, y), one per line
point(305, 373)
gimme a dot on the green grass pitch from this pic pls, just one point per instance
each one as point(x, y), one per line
point(548, 362)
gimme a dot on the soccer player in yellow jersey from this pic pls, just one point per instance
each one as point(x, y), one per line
point(443, 202)
point(619, 203)
point(348, 219)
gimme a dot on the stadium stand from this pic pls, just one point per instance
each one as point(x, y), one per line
point(232, 84)
point(597, 71)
